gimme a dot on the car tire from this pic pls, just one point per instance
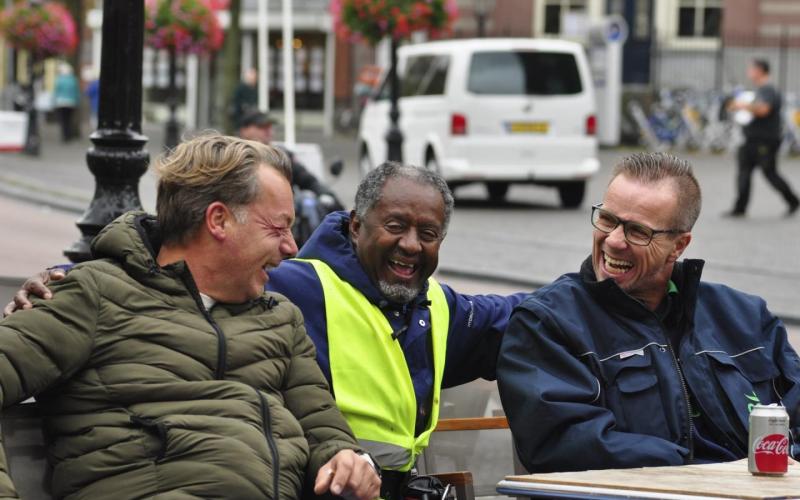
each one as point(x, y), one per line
point(364, 163)
point(497, 190)
point(431, 163)
point(572, 193)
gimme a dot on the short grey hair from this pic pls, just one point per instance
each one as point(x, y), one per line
point(370, 189)
point(650, 168)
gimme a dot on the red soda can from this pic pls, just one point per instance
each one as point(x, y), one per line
point(768, 450)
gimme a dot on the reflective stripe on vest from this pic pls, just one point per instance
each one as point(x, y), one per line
point(369, 373)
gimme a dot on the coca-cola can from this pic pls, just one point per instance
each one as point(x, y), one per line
point(768, 451)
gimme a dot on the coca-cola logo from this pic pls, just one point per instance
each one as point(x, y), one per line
point(772, 453)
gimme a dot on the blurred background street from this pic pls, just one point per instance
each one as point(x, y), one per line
point(526, 240)
point(653, 75)
point(490, 248)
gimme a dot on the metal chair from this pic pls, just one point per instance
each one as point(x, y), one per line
point(26, 453)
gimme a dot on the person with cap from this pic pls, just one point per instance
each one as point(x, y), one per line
point(245, 97)
point(256, 126)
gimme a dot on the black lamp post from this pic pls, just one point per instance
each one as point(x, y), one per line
point(117, 158)
point(394, 137)
point(172, 129)
point(33, 140)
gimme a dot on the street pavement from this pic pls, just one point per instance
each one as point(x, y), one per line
point(490, 248)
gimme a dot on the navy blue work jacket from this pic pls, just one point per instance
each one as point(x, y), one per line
point(589, 379)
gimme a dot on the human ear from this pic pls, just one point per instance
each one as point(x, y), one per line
point(217, 218)
point(355, 225)
point(681, 242)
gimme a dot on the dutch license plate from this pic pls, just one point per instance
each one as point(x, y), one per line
point(528, 127)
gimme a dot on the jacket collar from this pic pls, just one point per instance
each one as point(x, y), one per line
point(134, 239)
point(331, 244)
point(686, 275)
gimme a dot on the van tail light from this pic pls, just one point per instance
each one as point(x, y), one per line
point(458, 124)
point(591, 125)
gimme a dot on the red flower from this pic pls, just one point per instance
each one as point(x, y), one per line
point(372, 20)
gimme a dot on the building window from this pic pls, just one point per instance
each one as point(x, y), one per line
point(700, 18)
point(554, 11)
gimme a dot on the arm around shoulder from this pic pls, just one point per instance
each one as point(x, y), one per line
point(40, 346)
point(477, 324)
point(49, 342)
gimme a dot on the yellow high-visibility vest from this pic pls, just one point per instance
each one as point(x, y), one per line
point(370, 377)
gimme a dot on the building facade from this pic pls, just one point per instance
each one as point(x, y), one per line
point(696, 44)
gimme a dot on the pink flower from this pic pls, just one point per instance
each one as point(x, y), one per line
point(187, 26)
point(47, 30)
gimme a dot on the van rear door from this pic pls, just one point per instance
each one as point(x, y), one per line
point(526, 107)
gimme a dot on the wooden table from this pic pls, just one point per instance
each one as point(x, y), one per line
point(687, 482)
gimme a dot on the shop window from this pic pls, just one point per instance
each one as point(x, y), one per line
point(699, 18)
point(554, 11)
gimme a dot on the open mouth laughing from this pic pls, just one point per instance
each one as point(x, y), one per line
point(402, 269)
point(616, 266)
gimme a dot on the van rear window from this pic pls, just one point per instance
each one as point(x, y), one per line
point(524, 73)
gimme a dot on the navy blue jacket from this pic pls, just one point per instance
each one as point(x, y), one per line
point(477, 322)
point(589, 380)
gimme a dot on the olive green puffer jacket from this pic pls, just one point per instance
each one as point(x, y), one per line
point(148, 395)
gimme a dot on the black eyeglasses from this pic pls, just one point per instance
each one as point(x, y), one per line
point(635, 233)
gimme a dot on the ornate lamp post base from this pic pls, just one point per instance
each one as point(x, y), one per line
point(117, 161)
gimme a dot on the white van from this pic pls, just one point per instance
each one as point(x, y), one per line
point(491, 110)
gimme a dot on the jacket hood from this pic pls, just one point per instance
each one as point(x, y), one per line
point(133, 240)
point(685, 274)
point(331, 244)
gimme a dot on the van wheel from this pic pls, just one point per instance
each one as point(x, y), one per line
point(431, 163)
point(364, 164)
point(497, 190)
point(571, 193)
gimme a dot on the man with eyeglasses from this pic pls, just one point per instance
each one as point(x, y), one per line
point(634, 361)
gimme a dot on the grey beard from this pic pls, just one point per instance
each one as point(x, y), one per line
point(400, 294)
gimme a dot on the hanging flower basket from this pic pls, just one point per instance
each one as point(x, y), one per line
point(372, 20)
point(187, 26)
point(44, 30)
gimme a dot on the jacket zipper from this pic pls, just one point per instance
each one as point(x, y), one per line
point(687, 399)
point(222, 346)
point(273, 448)
point(685, 389)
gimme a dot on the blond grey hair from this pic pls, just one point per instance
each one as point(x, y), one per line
point(208, 168)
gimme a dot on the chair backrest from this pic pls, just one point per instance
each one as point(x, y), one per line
point(462, 481)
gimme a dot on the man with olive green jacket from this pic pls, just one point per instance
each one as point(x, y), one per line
point(160, 378)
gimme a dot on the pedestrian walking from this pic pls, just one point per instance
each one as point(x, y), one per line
point(66, 96)
point(762, 140)
point(92, 93)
